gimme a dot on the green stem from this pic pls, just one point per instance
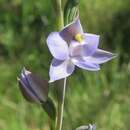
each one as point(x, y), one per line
point(58, 14)
point(61, 108)
point(59, 24)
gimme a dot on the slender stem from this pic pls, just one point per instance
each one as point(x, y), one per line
point(59, 24)
point(58, 15)
point(61, 108)
point(62, 105)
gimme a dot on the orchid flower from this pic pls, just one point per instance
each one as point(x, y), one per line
point(72, 47)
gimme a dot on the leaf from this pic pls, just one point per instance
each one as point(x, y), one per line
point(70, 11)
point(49, 108)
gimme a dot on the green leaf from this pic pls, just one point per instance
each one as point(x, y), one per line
point(49, 108)
point(70, 11)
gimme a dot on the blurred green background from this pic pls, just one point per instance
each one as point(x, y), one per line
point(92, 97)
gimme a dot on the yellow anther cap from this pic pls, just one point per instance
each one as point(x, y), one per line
point(78, 37)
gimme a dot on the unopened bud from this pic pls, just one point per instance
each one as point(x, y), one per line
point(33, 88)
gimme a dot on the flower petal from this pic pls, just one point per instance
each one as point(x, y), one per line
point(60, 69)
point(81, 63)
point(91, 42)
point(75, 48)
point(69, 31)
point(86, 48)
point(57, 46)
point(100, 56)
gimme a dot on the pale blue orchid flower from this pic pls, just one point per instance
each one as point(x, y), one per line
point(72, 47)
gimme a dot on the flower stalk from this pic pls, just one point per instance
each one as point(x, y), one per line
point(61, 108)
point(59, 26)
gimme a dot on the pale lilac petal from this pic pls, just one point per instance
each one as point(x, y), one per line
point(57, 46)
point(81, 63)
point(60, 69)
point(86, 48)
point(75, 48)
point(69, 31)
point(90, 42)
point(100, 56)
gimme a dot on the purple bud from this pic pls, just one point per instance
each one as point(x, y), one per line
point(33, 88)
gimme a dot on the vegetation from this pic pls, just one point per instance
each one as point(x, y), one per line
point(93, 97)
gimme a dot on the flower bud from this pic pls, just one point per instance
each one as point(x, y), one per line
point(87, 127)
point(33, 88)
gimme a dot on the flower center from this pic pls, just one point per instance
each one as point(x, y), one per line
point(78, 37)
